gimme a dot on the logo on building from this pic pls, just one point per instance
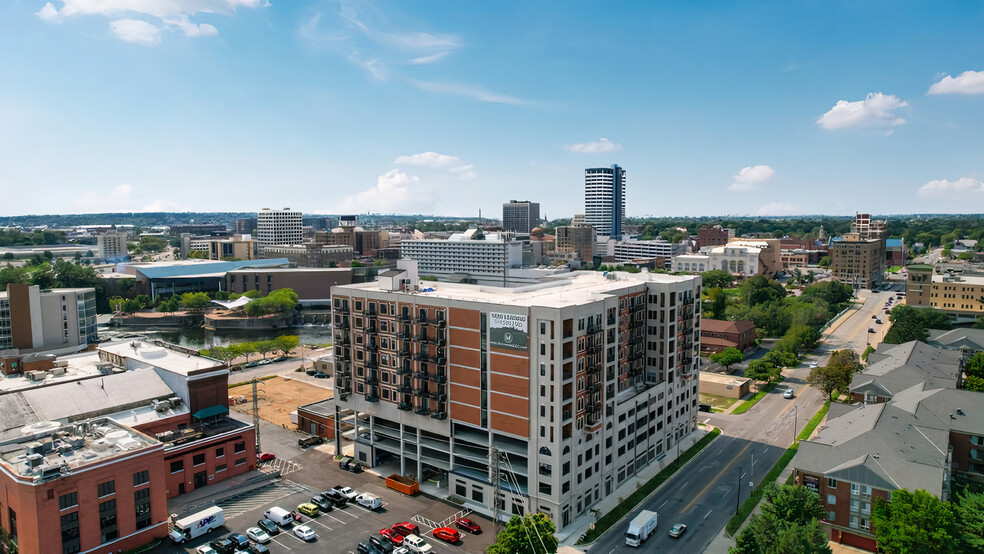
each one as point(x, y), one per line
point(508, 331)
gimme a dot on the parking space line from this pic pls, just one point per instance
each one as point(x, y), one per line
point(280, 543)
point(321, 524)
point(335, 518)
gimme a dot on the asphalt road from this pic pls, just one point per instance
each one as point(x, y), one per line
point(705, 493)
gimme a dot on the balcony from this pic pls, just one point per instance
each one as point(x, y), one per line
point(404, 406)
point(372, 330)
point(342, 309)
point(372, 347)
point(372, 398)
point(423, 410)
point(420, 338)
point(405, 351)
point(439, 415)
point(341, 338)
point(422, 375)
point(403, 370)
point(372, 379)
point(440, 360)
point(372, 364)
point(403, 317)
point(420, 357)
point(441, 341)
point(420, 321)
point(422, 392)
point(342, 355)
point(405, 389)
point(440, 378)
point(403, 335)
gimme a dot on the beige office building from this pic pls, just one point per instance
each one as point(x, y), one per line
point(857, 261)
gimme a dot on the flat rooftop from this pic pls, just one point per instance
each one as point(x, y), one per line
point(965, 279)
point(48, 450)
point(722, 379)
point(77, 366)
point(161, 357)
point(568, 289)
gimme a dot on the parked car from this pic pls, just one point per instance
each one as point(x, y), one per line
point(320, 375)
point(323, 504)
point(338, 498)
point(205, 549)
point(369, 501)
point(258, 535)
point(468, 525)
point(406, 528)
point(814, 365)
point(871, 330)
point(382, 544)
point(446, 534)
point(417, 544)
point(240, 540)
point(677, 530)
point(878, 321)
point(789, 393)
point(348, 492)
point(257, 548)
point(392, 535)
point(311, 371)
point(308, 509)
point(304, 533)
point(223, 546)
point(310, 441)
point(266, 457)
point(344, 462)
point(269, 526)
point(366, 548)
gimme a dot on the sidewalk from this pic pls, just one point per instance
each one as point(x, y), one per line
point(208, 496)
point(570, 534)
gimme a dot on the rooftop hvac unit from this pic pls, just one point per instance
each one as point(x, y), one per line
point(61, 363)
point(175, 401)
point(64, 448)
point(58, 371)
point(34, 447)
point(34, 460)
point(161, 405)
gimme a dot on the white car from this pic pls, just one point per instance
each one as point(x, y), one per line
point(401, 550)
point(348, 492)
point(814, 365)
point(205, 549)
point(304, 533)
point(790, 392)
point(258, 535)
point(416, 544)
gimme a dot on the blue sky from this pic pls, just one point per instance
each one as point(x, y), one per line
point(713, 108)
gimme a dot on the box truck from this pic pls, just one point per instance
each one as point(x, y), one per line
point(197, 524)
point(641, 527)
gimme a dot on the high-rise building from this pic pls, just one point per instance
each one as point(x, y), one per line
point(868, 228)
point(578, 238)
point(857, 261)
point(245, 225)
point(520, 216)
point(278, 227)
point(577, 382)
point(112, 246)
point(32, 319)
point(472, 253)
point(604, 200)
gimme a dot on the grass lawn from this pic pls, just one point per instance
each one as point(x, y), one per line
point(718, 403)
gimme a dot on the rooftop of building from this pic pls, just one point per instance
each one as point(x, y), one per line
point(722, 379)
point(960, 337)
point(897, 367)
point(725, 326)
point(3, 293)
point(184, 268)
point(325, 408)
point(169, 359)
point(557, 291)
point(67, 368)
point(962, 278)
point(48, 450)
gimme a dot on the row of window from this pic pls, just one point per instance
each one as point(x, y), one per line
point(199, 459)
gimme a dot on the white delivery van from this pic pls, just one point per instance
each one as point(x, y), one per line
point(279, 516)
point(197, 524)
point(641, 527)
point(368, 500)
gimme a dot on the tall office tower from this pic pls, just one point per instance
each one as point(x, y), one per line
point(278, 227)
point(604, 199)
point(112, 246)
point(520, 216)
point(245, 225)
point(573, 385)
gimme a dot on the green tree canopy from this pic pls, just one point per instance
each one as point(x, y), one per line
point(717, 278)
point(910, 323)
point(728, 357)
point(836, 375)
point(915, 522)
point(762, 370)
point(195, 300)
point(970, 515)
point(788, 523)
point(529, 534)
point(287, 343)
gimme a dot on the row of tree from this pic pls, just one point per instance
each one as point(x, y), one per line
point(191, 301)
point(910, 323)
point(61, 273)
point(285, 344)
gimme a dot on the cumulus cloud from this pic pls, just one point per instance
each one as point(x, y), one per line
point(429, 159)
point(391, 193)
point(157, 14)
point(877, 110)
point(968, 82)
point(122, 198)
point(749, 178)
point(136, 31)
point(600, 146)
point(943, 187)
point(778, 209)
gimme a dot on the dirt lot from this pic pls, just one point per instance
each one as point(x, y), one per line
point(278, 398)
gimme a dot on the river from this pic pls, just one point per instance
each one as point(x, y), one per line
point(198, 338)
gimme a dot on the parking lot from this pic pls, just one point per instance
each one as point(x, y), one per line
point(341, 529)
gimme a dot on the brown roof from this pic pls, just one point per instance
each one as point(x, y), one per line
point(717, 341)
point(722, 326)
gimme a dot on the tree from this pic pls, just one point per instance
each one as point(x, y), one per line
point(143, 300)
point(915, 522)
point(11, 274)
point(799, 337)
point(8, 255)
point(129, 306)
point(909, 323)
point(195, 300)
point(728, 357)
point(762, 370)
point(975, 365)
point(781, 358)
point(223, 353)
point(788, 523)
point(287, 343)
point(265, 346)
point(758, 290)
point(824, 262)
point(836, 375)
point(970, 515)
point(529, 534)
point(246, 348)
point(717, 278)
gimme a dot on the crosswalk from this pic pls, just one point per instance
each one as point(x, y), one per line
point(238, 505)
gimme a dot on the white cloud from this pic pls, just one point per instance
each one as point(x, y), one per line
point(779, 208)
point(877, 110)
point(474, 92)
point(162, 205)
point(968, 82)
point(943, 187)
point(136, 31)
point(391, 193)
point(750, 177)
point(429, 59)
point(601, 146)
point(464, 172)
point(429, 159)
point(172, 14)
point(122, 198)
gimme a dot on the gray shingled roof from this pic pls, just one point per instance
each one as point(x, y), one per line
point(898, 367)
point(957, 338)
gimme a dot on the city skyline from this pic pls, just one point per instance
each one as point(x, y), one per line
point(444, 109)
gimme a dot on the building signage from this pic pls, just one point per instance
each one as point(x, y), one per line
point(812, 482)
point(508, 331)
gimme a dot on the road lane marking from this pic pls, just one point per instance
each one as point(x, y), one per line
point(720, 473)
point(661, 506)
point(709, 512)
point(280, 543)
point(725, 494)
point(683, 486)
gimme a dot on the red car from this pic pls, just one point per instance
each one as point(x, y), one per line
point(265, 457)
point(406, 528)
point(468, 525)
point(446, 534)
point(392, 535)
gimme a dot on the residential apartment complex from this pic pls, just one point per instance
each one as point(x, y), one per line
point(577, 239)
point(112, 246)
point(472, 253)
point(574, 383)
point(630, 249)
point(277, 227)
point(713, 235)
point(520, 216)
point(604, 200)
point(858, 261)
point(958, 293)
point(33, 320)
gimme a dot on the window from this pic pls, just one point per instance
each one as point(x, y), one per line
point(855, 489)
point(68, 500)
point(220, 467)
point(240, 461)
point(107, 488)
point(107, 521)
point(240, 447)
point(477, 495)
point(141, 502)
point(854, 522)
point(864, 524)
point(831, 499)
point(460, 489)
point(177, 466)
point(219, 452)
point(12, 518)
point(198, 459)
point(141, 477)
point(854, 504)
point(831, 483)
point(70, 533)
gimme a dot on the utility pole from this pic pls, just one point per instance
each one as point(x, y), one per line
point(256, 415)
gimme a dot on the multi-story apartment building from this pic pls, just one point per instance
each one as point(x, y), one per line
point(311, 254)
point(575, 383)
point(577, 238)
point(278, 227)
point(867, 228)
point(474, 253)
point(629, 250)
point(960, 294)
point(604, 200)
point(520, 216)
point(362, 242)
point(858, 261)
point(713, 235)
point(112, 246)
point(32, 319)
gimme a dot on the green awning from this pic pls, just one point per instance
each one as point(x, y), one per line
point(211, 412)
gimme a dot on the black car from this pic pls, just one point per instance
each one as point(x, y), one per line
point(257, 548)
point(240, 540)
point(323, 504)
point(223, 546)
point(366, 548)
point(345, 461)
point(310, 441)
point(338, 498)
point(269, 526)
point(382, 544)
